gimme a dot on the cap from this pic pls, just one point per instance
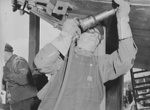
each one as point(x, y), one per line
point(100, 29)
point(8, 48)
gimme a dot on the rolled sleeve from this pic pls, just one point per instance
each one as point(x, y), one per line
point(119, 62)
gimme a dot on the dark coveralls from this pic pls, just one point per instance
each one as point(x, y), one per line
point(18, 81)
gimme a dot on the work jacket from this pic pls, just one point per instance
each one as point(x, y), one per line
point(18, 80)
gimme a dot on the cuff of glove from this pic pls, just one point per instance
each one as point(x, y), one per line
point(62, 42)
point(125, 19)
point(124, 29)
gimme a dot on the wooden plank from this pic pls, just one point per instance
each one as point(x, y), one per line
point(142, 88)
point(144, 94)
point(34, 35)
point(143, 83)
point(143, 77)
point(143, 98)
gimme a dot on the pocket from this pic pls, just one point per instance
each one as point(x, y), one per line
point(82, 75)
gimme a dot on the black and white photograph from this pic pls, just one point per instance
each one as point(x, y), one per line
point(74, 55)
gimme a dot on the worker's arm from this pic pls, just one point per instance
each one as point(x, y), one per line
point(122, 60)
point(48, 59)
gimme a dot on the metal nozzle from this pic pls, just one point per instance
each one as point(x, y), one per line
point(91, 21)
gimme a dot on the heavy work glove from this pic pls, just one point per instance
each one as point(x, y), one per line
point(123, 10)
point(122, 14)
point(70, 29)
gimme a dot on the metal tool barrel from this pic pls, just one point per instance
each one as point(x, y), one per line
point(93, 20)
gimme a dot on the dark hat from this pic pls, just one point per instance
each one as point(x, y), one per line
point(8, 48)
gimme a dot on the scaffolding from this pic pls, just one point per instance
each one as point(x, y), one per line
point(141, 88)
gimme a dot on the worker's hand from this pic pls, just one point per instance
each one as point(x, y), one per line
point(123, 10)
point(70, 26)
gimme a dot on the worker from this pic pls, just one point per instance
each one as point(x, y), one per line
point(77, 81)
point(20, 89)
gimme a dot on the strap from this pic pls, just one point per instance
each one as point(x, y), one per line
point(66, 75)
